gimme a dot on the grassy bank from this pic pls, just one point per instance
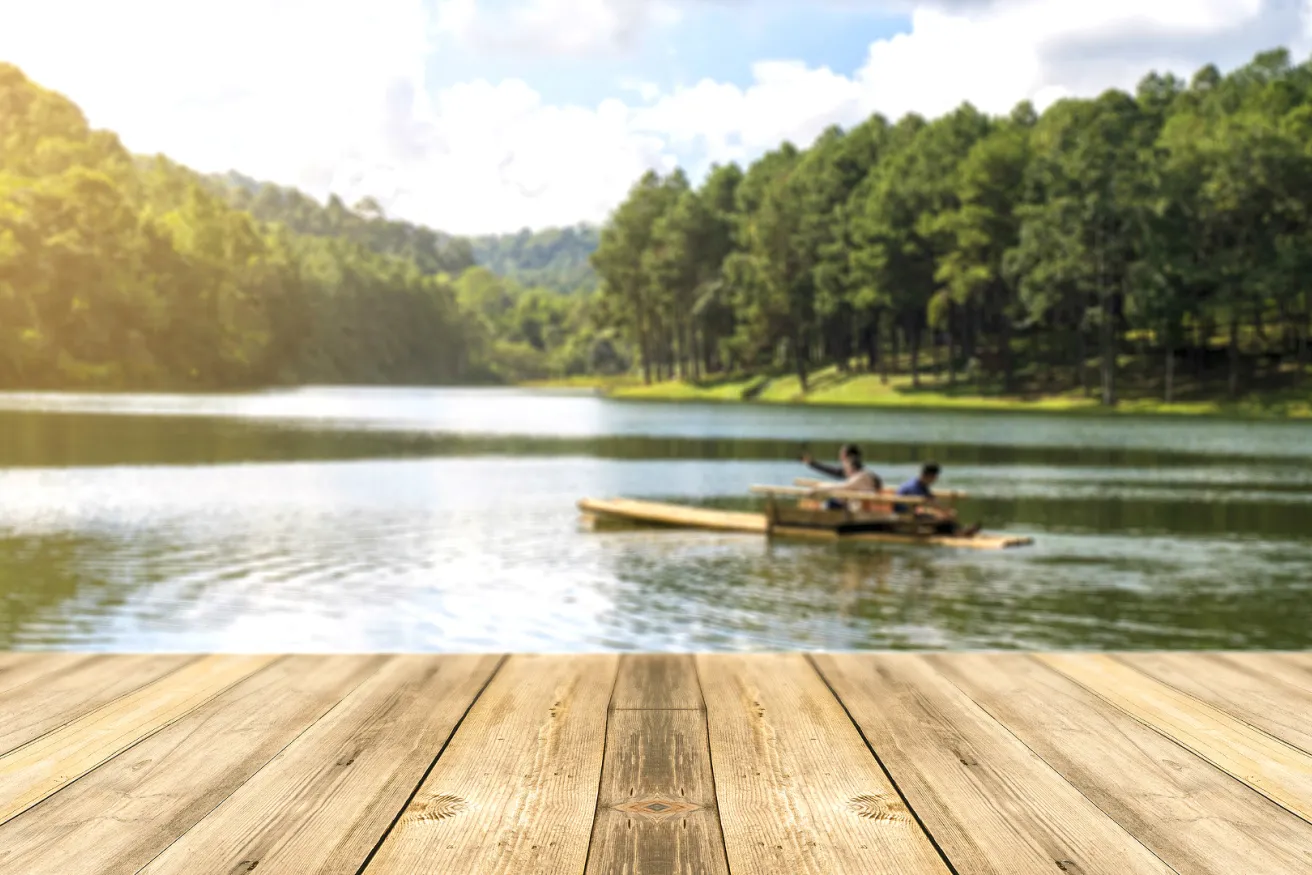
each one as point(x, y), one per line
point(832, 388)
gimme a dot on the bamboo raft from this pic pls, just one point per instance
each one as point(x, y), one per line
point(802, 520)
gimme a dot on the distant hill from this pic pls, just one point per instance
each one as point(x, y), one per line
point(364, 223)
point(556, 258)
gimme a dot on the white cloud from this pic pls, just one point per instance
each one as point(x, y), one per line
point(556, 28)
point(331, 95)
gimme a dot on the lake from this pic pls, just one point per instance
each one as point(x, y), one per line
point(363, 519)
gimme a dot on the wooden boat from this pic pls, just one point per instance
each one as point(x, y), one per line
point(859, 521)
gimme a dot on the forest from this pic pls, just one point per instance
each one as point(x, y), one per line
point(122, 271)
point(1150, 244)
point(1139, 245)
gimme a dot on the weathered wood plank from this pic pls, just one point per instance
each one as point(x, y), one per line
point(323, 803)
point(1191, 814)
point(33, 709)
point(657, 680)
point(1292, 668)
point(17, 669)
point(992, 805)
point(36, 770)
point(516, 789)
point(1277, 708)
point(656, 812)
point(120, 816)
point(797, 788)
point(1272, 767)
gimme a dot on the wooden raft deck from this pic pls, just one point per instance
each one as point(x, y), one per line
point(466, 764)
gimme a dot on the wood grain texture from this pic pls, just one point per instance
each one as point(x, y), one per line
point(120, 816)
point(1280, 772)
point(33, 709)
point(1191, 814)
point(992, 805)
point(17, 669)
point(1280, 709)
point(797, 788)
point(657, 680)
point(656, 811)
point(1294, 669)
point(321, 805)
point(516, 790)
point(36, 770)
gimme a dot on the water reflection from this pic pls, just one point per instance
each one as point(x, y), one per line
point(206, 530)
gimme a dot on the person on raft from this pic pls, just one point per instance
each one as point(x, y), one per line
point(853, 474)
point(944, 519)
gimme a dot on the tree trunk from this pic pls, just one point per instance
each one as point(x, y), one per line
point(1080, 356)
point(799, 359)
point(1234, 356)
point(936, 355)
point(952, 359)
point(1302, 348)
point(914, 340)
point(1108, 338)
point(644, 350)
point(872, 345)
point(896, 335)
point(1170, 373)
point(879, 353)
point(1008, 363)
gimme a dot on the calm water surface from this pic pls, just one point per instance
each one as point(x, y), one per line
point(400, 519)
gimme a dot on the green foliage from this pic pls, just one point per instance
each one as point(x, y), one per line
point(123, 272)
point(1122, 236)
point(556, 258)
point(364, 223)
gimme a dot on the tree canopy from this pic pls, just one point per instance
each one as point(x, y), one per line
point(123, 271)
point(1104, 242)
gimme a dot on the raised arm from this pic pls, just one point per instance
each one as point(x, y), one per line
point(830, 470)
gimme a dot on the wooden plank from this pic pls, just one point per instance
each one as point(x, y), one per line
point(991, 804)
point(323, 803)
point(1291, 668)
point(656, 813)
point(120, 816)
point(827, 492)
point(37, 769)
point(516, 789)
point(34, 709)
point(17, 669)
point(657, 680)
point(797, 788)
point(981, 541)
point(1280, 772)
point(939, 494)
point(678, 515)
point(1191, 814)
point(1277, 708)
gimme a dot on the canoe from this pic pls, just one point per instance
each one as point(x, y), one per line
point(825, 525)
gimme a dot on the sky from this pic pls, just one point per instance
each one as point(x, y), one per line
point(487, 116)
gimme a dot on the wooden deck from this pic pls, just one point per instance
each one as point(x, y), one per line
point(681, 765)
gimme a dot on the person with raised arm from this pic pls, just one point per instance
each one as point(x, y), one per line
point(853, 474)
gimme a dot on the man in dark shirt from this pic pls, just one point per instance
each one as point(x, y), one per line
point(919, 486)
point(944, 518)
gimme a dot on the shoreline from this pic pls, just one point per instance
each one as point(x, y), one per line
point(866, 391)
